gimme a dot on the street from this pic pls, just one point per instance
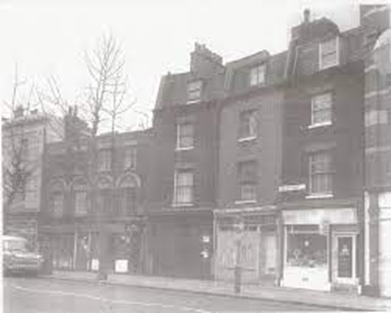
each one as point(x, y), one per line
point(37, 295)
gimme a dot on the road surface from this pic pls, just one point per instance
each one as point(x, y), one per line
point(38, 295)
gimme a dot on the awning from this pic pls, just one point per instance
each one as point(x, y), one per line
point(319, 216)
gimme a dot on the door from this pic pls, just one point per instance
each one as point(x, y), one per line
point(269, 253)
point(345, 258)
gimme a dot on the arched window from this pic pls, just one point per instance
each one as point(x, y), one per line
point(104, 201)
point(56, 199)
point(128, 196)
point(80, 197)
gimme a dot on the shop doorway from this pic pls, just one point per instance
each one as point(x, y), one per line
point(344, 258)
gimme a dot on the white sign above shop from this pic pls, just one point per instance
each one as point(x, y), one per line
point(288, 188)
point(320, 216)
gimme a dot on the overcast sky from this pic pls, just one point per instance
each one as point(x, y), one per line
point(50, 37)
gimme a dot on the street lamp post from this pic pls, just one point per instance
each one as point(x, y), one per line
point(239, 227)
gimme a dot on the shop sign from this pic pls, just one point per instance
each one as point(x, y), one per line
point(290, 188)
point(317, 216)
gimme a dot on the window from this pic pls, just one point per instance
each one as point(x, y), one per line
point(31, 189)
point(257, 75)
point(127, 196)
point(306, 249)
point(56, 204)
point(329, 54)
point(194, 90)
point(104, 160)
point(247, 125)
point(185, 136)
point(321, 110)
point(375, 117)
point(247, 181)
point(388, 80)
point(25, 148)
point(184, 180)
point(130, 156)
point(320, 176)
point(80, 202)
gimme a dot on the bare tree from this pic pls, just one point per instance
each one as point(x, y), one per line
point(105, 101)
point(16, 166)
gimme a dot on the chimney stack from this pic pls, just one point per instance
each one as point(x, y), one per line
point(307, 14)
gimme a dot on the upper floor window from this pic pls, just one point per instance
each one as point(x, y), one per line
point(80, 202)
point(247, 172)
point(185, 136)
point(56, 199)
point(127, 196)
point(247, 125)
point(130, 157)
point(56, 204)
point(320, 173)
point(80, 198)
point(257, 75)
point(321, 110)
point(184, 184)
point(104, 160)
point(24, 146)
point(329, 53)
point(194, 91)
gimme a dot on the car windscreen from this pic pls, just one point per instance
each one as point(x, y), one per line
point(15, 245)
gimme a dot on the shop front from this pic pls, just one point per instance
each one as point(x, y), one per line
point(320, 249)
point(180, 243)
point(76, 246)
point(257, 241)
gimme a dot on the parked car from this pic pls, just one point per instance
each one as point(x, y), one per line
point(17, 257)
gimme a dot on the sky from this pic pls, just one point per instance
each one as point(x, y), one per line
point(50, 38)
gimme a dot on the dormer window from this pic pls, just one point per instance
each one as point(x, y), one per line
point(194, 90)
point(257, 75)
point(329, 53)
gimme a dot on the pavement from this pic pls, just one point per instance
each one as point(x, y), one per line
point(331, 300)
point(42, 295)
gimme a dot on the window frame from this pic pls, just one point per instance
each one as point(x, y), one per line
point(322, 66)
point(107, 165)
point(327, 172)
point(246, 182)
point(177, 188)
point(194, 94)
point(130, 157)
point(79, 212)
point(328, 122)
point(55, 211)
point(179, 137)
point(251, 113)
point(255, 75)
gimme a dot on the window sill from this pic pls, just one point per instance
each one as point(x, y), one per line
point(245, 139)
point(325, 67)
point(193, 101)
point(324, 124)
point(319, 196)
point(245, 201)
point(184, 148)
point(179, 205)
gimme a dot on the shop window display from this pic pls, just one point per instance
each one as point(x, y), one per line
point(307, 250)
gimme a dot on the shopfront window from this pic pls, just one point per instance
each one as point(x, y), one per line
point(305, 249)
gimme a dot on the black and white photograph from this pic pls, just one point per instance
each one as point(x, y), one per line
point(195, 156)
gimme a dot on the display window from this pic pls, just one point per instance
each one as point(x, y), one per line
point(306, 248)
